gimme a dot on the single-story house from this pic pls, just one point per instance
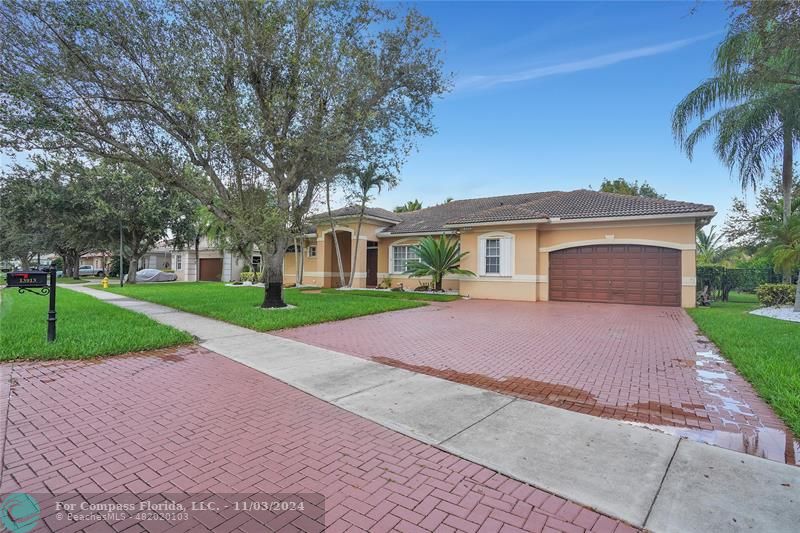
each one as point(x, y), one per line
point(580, 245)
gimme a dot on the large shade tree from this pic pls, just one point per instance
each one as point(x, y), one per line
point(222, 97)
point(46, 201)
point(137, 209)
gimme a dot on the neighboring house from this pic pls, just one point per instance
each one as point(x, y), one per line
point(579, 245)
point(97, 259)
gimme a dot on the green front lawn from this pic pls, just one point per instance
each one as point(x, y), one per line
point(241, 305)
point(766, 351)
point(70, 281)
point(398, 295)
point(86, 327)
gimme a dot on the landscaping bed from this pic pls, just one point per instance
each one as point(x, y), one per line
point(86, 327)
point(764, 350)
point(241, 305)
point(398, 295)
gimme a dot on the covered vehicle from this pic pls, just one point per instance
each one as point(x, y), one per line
point(153, 274)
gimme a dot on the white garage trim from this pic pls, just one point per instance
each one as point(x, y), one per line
point(595, 242)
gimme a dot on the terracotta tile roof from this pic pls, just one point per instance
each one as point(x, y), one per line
point(576, 204)
point(354, 210)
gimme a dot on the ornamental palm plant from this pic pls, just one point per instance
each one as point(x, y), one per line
point(708, 245)
point(786, 254)
point(437, 257)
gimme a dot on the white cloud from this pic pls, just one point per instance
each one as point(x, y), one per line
point(597, 62)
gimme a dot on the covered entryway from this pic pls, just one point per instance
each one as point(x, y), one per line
point(616, 273)
point(210, 269)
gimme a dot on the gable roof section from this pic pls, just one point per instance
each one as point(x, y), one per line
point(354, 210)
point(541, 206)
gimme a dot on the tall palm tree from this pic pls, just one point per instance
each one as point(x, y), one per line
point(366, 180)
point(708, 244)
point(754, 122)
point(436, 258)
point(786, 255)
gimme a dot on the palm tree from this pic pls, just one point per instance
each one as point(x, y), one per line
point(437, 257)
point(366, 180)
point(786, 255)
point(754, 121)
point(708, 245)
point(411, 205)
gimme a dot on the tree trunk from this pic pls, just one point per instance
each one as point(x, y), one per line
point(25, 262)
point(797, 295)
point(333, 234)
point(297, 256)
point(133, 264)
point(787, 174)
point(301, 267)
point(354, 255)
point(787, 181)
point(272, 272)
point(197, 258)
point(76, 264)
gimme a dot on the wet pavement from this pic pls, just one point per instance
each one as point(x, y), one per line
point(645, 365)
point(185, 423)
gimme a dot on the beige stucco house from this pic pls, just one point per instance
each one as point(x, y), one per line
point(578, 245)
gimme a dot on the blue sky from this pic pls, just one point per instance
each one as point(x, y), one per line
point(560, 95)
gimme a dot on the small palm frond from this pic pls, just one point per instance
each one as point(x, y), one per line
point(436, 258)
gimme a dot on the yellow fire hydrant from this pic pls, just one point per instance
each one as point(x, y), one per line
point(104, 283)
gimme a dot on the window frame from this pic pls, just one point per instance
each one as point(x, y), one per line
point(309, 248)
point(178, 262)
point(506, 245)
point(393, 259)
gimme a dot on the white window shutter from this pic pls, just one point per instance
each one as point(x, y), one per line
point(482, 257)
point(391, 259)
point(506, 257)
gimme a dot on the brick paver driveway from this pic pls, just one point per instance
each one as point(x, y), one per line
point(188, 420)
point(636, 363)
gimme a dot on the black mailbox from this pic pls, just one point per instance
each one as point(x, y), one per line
point(31, 280)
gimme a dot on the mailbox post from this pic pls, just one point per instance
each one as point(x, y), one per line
point(28, 281)
point(51, 313)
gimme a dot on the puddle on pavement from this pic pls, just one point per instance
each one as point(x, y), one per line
point(769, 443)
point(171, 357)
point(564, 396)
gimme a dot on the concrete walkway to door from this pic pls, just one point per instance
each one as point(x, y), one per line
point(642, 364)
point(646, 478)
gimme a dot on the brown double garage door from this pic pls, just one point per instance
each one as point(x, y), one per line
point(619, 273)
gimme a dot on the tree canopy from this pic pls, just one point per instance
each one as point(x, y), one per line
point(629, 188)
point(222, 98)
point(411, 205)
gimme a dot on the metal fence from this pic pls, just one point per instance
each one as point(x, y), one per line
point(721, 280)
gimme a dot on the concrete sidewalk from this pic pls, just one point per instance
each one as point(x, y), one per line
point(644, 477)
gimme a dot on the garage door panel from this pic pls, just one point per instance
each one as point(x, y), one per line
point(632, 274)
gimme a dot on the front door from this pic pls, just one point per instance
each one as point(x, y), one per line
point(372, 264)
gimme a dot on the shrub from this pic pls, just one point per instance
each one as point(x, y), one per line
point(246, 268)
point(771, 294)
point(248, 276)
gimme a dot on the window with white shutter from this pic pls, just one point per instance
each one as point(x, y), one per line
point(496, 254)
